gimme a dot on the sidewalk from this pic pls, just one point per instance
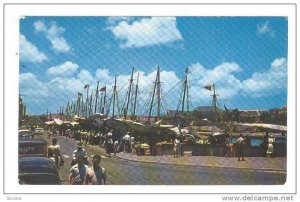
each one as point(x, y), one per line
point(252, 163)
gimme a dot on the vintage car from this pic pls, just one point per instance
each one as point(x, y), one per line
point(39, 131)
point(25, 134)
point(38, 171)
point(32, 148)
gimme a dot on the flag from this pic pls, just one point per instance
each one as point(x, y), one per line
point(86, 86)
point(103, 88)
point(208, 87)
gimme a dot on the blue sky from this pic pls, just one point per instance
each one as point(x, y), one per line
point(245, 57)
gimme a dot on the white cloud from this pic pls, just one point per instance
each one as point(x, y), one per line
point(40, 26)
point(278, 62)
point(265, 29)
point(30, 86)
point(86, 76)
point(63, 88)
point(60, 44)
point(66, 69)
point(116, 19)
point(103, 75)
point(223, 76)
point(267, 83)
point(146, 32)
point(53, 34)
point(29, 52)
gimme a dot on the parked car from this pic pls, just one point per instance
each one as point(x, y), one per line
point(25, 134)
point(39, 131)
point(32, 148)
point(38, 171)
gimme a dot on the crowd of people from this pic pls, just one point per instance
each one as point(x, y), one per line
point(80, 172)
point(114, 141)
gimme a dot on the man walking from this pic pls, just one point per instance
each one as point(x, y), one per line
point(79, 152)
point(116, 144)
point(78, 172)
point(54, 152)
point(240, 148)
point(96, 175)
point(176, 147)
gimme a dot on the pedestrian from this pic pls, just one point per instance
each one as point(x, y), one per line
point(79, 151)
point(49, 134)
point(96, 175)
point(78, 172)
point(109, 146)
point(226, 146)
point(176, 147)
point(240, 148)
point(132, 144)
point(270, 149)
point(126, 142)
point(54, 153)
point(266, 143)
point(116, 144)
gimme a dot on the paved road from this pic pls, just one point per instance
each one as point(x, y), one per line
point(125, 172)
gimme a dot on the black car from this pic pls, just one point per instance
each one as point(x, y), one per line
point(25, 134)
point(32, 148)
point(38, 171)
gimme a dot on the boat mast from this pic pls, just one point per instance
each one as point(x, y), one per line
point(78, 104)
point(129, 91)
point(158, 92)
point(87, 86)
point(152, 99)
point(114, 96)
point(82, 107)
point(215, 102)
point(96, 102)
point(91, 103)
point(135, 97)
point(100, 106)
point(185, 92)
point(104, 101)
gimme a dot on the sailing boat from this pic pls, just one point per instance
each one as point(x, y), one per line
point(129, 123)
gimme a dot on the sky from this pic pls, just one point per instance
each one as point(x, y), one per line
point(245, 57)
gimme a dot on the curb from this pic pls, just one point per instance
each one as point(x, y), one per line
point(206, 166)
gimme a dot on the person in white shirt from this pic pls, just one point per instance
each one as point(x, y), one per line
point(79, 151)
point(176, 147)
point(240, 148)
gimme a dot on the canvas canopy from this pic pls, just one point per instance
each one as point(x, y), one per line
point(49, 122)
point(58, 121)
point(272, 127)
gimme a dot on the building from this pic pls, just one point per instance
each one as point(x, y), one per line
point(251, 116)
point(208, 112)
